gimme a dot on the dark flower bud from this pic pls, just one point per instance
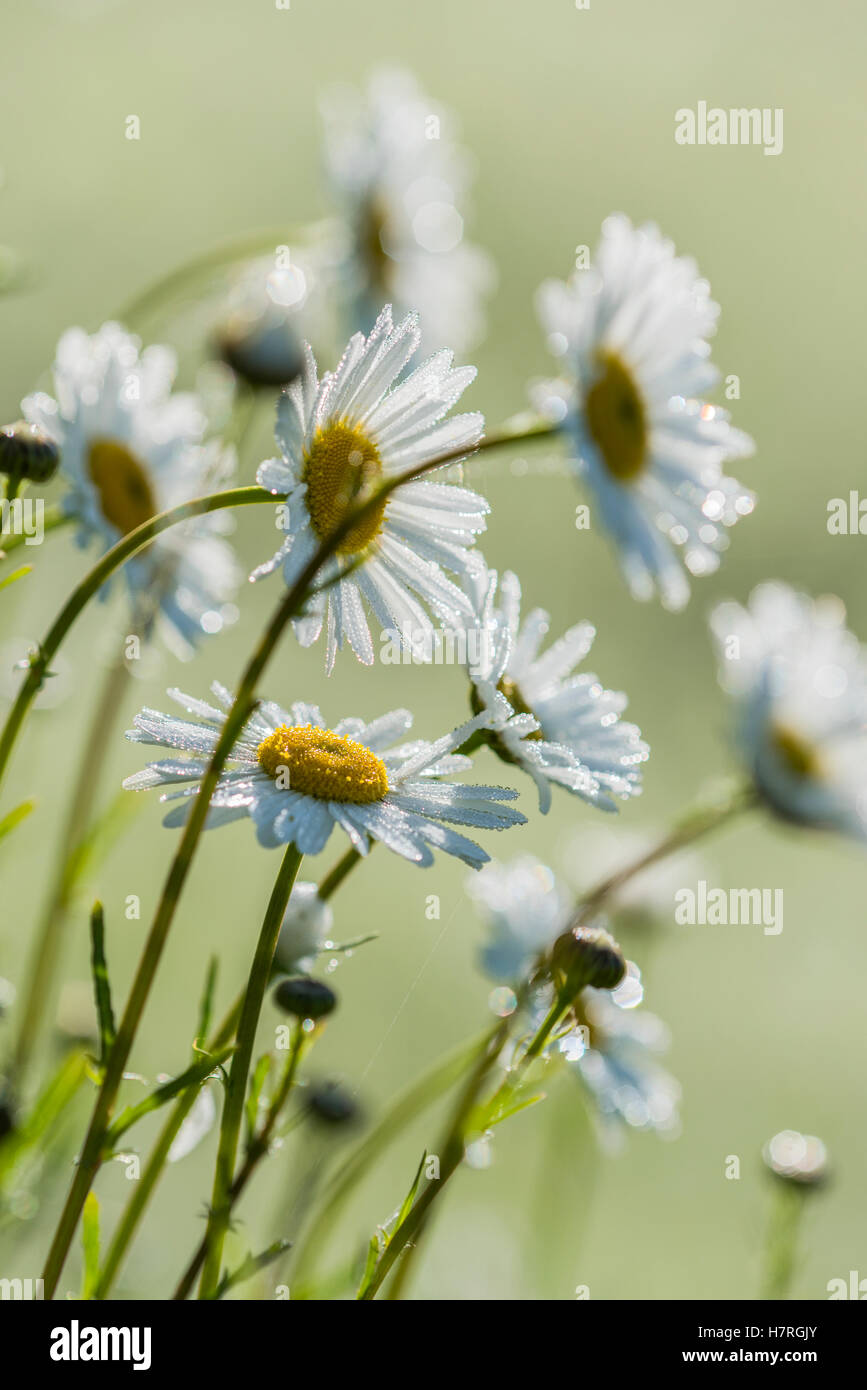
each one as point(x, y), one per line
point(332, 1104)
point(263, 351)
point(797, 1158)
point(27, 452)
point(305, 998)
point(588, 956)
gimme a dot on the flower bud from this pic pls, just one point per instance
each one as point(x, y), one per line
point(305, 998)
point(332, 1103)
point(27, 452)
point(588, 956)
point(263, 351)
point(797, 1158)
point(306, 927)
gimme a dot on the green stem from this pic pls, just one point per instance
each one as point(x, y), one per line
point(46, 948)
point(450, 1153)
point(693, 827)
point(141, 1194)
point(217, 258)
point(233, 1108)
point(256, 1151)
point(53, 518)
point(91, 584)
point(414, 1101)
point(781, 1249)
point(242, 708)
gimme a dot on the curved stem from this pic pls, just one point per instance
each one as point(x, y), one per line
point(256, 1151)
point(53, 518)
point(225, 254)
point(46, 948)
point(224, 1034)
point(693, 827)
point(93, 581)
point(233, 1109)
point(242, 708)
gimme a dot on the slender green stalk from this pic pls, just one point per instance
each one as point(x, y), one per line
point(136, 540)
point(781, 1248)
point(414, 1101)
point(237, 717)
point(228, 253)
point(256, 1151)
point(233, 1108)
point(693, 827)
point(53, 518)
point(91, 584)
point(46, 948)
point(141, 1194)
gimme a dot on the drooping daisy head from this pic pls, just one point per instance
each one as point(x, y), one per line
point(296, 779)
point(401, 182)
point(631, 333)
point(339, 437)
point(525, 910)
point(129, 449)
point(800, 681)
point(561, 727)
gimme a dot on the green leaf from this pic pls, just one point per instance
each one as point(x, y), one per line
point(193, 1076)
point(250, 1266)
point(495, 1116)
point(90, 1245)
point(101, 986)
point(8, 823)
point(410, 1196)
point(206, 1008)
point(378, 1243)
point(16, 574)
point(257, 1082)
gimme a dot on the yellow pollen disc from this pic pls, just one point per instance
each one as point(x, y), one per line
point(799, 757)
point(317, 762)
point(125, 495)
point(616, 419)
point(339, 466)
point(508, 688)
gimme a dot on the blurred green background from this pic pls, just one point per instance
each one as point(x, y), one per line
point(571, 115)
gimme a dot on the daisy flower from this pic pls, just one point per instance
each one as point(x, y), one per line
point(130, 449)
point(632, 335)
point(339, 435)
point(525, 910)
point(296, 779)
point(616, 1057)
point(561, 729)
point(400, 181)
point(799, 678)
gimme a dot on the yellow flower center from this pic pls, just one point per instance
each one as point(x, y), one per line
point(339, 466)
point(320, 763)
point(125, 496)
point(616, 419)
point(797, 754)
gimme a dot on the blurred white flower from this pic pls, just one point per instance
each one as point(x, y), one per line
point(401, 180)
point(631, 333)
point(525, 909)
point(799, 678)
point(130, 449)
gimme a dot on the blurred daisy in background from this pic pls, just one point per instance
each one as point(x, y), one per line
point(631, 333)
point(340, 436)
point(129, 449)
point(307, 925)
point(297, 779)
point(400, 181)
point(562, 729)
point(799, 678)
point(524, 909)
